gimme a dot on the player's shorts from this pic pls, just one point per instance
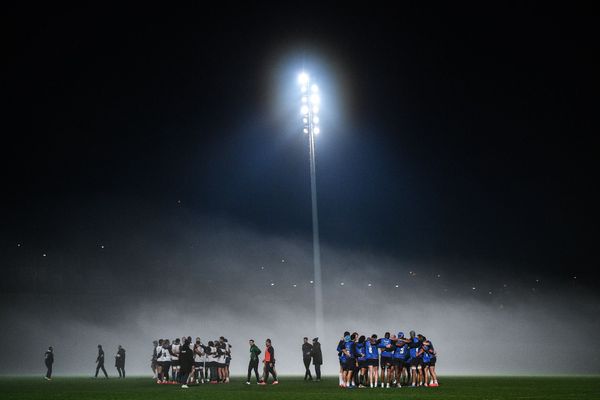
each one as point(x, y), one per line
point(221, 365)
point(415, 362)
point(387, 362)
point(175, 363)
point(362, 364)
point(198, 364)
point(432, 361)
point(228, 361)
point(165, 365)
point(398, 363)
point(372, 362)
point(350, 364)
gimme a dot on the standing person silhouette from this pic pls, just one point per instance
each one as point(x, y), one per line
point(306, 358)
point(317, 357)
point(100, 362)
point(120, 361)
point(253, 364)
point(49, 360)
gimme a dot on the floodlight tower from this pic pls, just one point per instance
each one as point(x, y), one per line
point(309, 110)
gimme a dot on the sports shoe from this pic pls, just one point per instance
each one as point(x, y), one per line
point(184, 386)
point(275, 382)
point(247, 383)
point(262, 383)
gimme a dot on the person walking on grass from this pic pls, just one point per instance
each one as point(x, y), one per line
point(269, 362)
point(100, 362)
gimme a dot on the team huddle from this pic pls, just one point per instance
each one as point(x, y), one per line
point(403, 361)
point(190, 362)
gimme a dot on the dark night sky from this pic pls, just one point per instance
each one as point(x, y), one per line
point(466, 137)
point(463, 136)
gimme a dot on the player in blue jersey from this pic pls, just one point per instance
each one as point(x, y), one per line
point(340, 346)
point(385, 344)
point(349, 360)
point(415, 361)
point(429, 360)
point(400, 353)
point(372, 355)
point(426, 357)
point(361, 359)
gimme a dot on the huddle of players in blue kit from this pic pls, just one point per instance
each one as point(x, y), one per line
point(402, 361)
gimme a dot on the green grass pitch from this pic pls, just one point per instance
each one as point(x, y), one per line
point(66, 388)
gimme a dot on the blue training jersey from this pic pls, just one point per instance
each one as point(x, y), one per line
point(340, 346)
point(385, 352)
point(361, 354)
point(414, 347)
point(372, 351)
point(351, 349)
point(426, 355)
point(401, 352)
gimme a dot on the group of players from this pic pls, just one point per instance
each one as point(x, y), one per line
point(182, 361)
point(402, 361)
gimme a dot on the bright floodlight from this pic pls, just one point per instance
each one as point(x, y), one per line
point(315, 110)
point(305, 120)
point(317, 130)
point(305, 130)
point(304, 110)
point(303, 78)
point(314, 88)
point(315, 99)
point(316, 119)
point(304, 99)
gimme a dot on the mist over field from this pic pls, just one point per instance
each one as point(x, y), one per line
point(149, 278)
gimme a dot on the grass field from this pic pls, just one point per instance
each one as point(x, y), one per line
point(295, 388)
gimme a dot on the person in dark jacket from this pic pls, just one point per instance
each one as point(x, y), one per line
point(120, 361)
point(317, 357)
point(306, 357)
point(100, 362)
point(186, 361)
point(253, 364)
point(49, 360)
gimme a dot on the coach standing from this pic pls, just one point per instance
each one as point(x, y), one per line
point(306, 357)
point(120, 361)
point(317, 357)
point(253, 364)
point(186, 362)
point(49, 360)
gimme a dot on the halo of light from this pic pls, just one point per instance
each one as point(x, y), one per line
point(304, 110)
point(303, 78)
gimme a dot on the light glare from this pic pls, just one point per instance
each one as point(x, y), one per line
point(304, 110)
point(303, 78)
